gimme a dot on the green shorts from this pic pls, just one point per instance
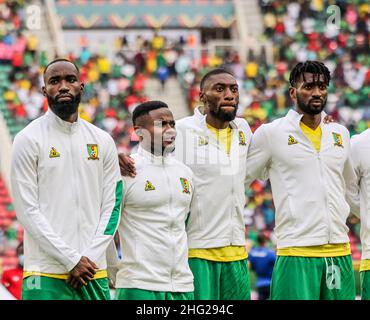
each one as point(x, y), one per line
point(139, 294)
point(45, 288)
point(365, 285)
point(303, 278)
point(220, 280)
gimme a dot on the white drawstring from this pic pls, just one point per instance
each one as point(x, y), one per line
point(332, 271)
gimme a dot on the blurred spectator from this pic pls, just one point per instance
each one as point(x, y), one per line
point(261, 261)
point(12, 278)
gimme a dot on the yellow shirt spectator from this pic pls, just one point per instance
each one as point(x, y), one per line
point(103, 65)
point(251, 69)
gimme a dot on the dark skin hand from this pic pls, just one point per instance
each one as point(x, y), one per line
point(82, 273)
point(127, 164)
point(328, 119)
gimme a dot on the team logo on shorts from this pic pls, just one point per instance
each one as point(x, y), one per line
point(149, 186)
point(185, 185)
point(242, 138)
point(292, 140)
point(202, 141)
point(337, 140)
point(54, 153)
point(92, 150)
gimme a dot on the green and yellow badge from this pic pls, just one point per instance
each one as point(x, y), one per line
point(202, 141)
point(54, 153)
point(242, 138)
point(149, 186)
point(92, 150)
point(185, 185)
point(337, 140)
point(292, 140)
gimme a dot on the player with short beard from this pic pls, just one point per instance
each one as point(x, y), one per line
point(67, 193)
point(313, 186)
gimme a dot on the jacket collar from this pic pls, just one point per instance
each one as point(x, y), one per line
point(159, 160)
point(62, 125)
point(295, 118)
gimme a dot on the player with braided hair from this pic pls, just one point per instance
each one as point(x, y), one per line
point(314, 186)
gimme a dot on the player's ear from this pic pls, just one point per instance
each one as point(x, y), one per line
point(138, 131)
point(43, 91)
point(293, 93)
point(202, 97)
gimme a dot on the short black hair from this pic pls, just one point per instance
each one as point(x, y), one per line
point(146, 107)
point(59, 60)
point(315, 67)
point(212, 73)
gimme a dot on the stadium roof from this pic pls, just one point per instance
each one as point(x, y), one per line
point(95, 14)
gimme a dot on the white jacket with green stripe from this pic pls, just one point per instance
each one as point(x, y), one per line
point(152, 230)
point(360, 151)
point(67, 192)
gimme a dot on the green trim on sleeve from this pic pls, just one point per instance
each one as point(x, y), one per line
point(113, 220)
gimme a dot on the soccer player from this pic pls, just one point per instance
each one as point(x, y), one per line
point(214, 144)
point(156, 206)
point(67, 192)
point(309, 166)
point(360, 151)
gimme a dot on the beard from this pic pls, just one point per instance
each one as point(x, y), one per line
point(64, 109)
point(220, 114)
point(306, 108)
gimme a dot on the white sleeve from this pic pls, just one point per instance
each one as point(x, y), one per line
point(24, 183)
point(259, 157)
point(110, 209)
point(112, 261)
point(352, 177)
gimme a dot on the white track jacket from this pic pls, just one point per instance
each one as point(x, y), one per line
point(360, 150)
point(152, 229)
point(309, 187)
point(67, 192)
point(216, 218)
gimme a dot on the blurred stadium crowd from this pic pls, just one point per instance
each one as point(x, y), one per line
point(113, 87)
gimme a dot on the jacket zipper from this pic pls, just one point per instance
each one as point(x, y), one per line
point(326, 197)
point(323, 178)
point(75, 189)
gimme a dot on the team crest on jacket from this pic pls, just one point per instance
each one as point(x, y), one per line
point(337, 140)
point(93, 151)
point(149, 186)
point(185, 185)
point(292, 140)
point(242, 138)
point(54, 153)
point(202, 141)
